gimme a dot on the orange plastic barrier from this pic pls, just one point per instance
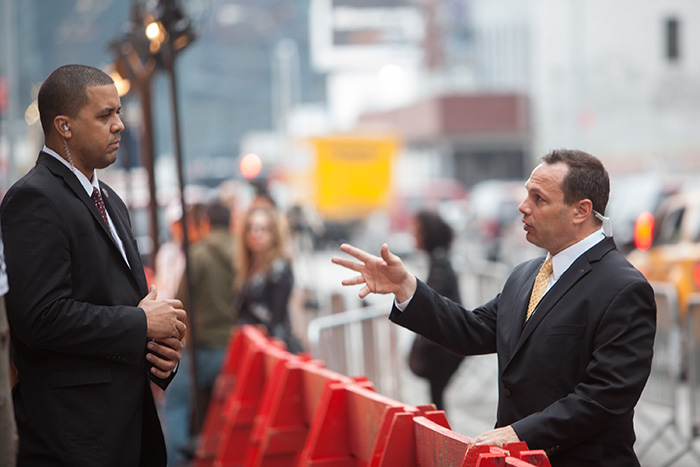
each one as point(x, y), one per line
point(271, 408)
point(223, 388)
point(228, 424)
point(514, 454)
point(436, 444)
point(355, 426)
point(242, 408)
point(288, 406)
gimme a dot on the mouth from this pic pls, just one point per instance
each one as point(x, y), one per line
point(114, 144)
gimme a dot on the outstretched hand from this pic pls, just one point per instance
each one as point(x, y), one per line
point(382, 275)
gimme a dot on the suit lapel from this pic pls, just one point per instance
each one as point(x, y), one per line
point(59, 169)
point(578, 269)
point(72, 181)
point(518, 316)
point(127, 238)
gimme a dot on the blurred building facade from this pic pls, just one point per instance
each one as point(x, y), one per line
point(474, 89)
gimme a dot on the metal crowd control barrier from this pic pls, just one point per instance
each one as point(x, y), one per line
point(662, 386)
point(359, 342)
point(481, 281)
point(364, 342)
point(692, 347)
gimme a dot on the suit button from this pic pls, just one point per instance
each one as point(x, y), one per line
point(507, 392)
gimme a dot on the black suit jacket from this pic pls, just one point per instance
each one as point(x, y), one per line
point(570, 377)
point(82, 397)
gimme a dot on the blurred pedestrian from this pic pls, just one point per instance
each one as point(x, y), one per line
point(428, 359)
point(86, 333)
point(573, 330)
point(212, 274)
point(265, 276)
point(170, 259)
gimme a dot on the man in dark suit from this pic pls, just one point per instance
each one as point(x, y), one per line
point(572, 365)
point(87, 335)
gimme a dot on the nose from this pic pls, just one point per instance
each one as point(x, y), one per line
point(524, 208)
point(118, 126)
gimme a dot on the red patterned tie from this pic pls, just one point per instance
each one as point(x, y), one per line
point(97, 198)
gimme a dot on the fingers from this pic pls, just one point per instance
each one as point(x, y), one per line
point(355, 252)
point(357, 280)
point(151, 295)
point(498, 437)
point(164, 355)
point(357, 267)
point(180, 330)
point(388, 256)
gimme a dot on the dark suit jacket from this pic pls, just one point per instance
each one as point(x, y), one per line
point(570, 377)
point(83, 396)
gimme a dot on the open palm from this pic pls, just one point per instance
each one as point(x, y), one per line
point(381, 275)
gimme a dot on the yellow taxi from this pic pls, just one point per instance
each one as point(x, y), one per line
point(668, 244)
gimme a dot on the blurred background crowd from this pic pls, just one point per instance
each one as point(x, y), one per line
point(320, 121)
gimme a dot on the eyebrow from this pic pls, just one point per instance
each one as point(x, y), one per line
point(110, 109)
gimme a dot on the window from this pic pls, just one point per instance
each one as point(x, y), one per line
point(670, 227)
point(672, 33)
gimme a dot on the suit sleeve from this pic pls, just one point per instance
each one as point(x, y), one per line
point(613, 380)
point(40, 308)
point(461, 331)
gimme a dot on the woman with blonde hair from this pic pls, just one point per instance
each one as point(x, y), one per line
point(265, 276)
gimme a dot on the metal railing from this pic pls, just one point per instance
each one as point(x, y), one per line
point(662, 386)
point(364, 342)
point(691, 348)
point(358, 342)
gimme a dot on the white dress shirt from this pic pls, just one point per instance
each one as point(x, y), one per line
point(88, 186)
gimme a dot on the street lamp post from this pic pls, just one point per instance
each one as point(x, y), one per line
point(169, 31)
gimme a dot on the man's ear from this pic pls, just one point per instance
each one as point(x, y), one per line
point(60, 123)
point(583, 210)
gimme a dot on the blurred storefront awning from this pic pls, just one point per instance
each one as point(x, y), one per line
point(458, 117)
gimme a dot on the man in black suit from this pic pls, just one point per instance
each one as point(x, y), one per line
point(572, 365)
point(87, 335)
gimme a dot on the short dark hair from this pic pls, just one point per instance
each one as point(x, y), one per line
point(218, 214)
point(64, 92)
point(435, 231)
point(586, 179)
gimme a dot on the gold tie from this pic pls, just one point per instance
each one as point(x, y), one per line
point(540, 286)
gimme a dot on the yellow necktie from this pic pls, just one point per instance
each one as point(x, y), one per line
point(540, 286)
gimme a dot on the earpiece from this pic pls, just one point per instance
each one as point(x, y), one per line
point(65, 127)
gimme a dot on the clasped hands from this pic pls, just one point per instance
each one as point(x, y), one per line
point(387, 274)
point(165, 330)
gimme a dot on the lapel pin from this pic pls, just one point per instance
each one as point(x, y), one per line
point(104, 193)
point(578, 273)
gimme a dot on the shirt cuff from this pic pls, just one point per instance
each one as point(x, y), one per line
point(402, 305)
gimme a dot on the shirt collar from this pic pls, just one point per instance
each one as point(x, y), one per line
point(565, 258)
point(87, 184)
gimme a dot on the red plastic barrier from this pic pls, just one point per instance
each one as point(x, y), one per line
point(273, 409)
point(513, 454)
point(288, 406)
point(355, 426)
point(230, 421)
point(223, 387)
point(537, 458)
point(436, 444)
point(242, 407)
